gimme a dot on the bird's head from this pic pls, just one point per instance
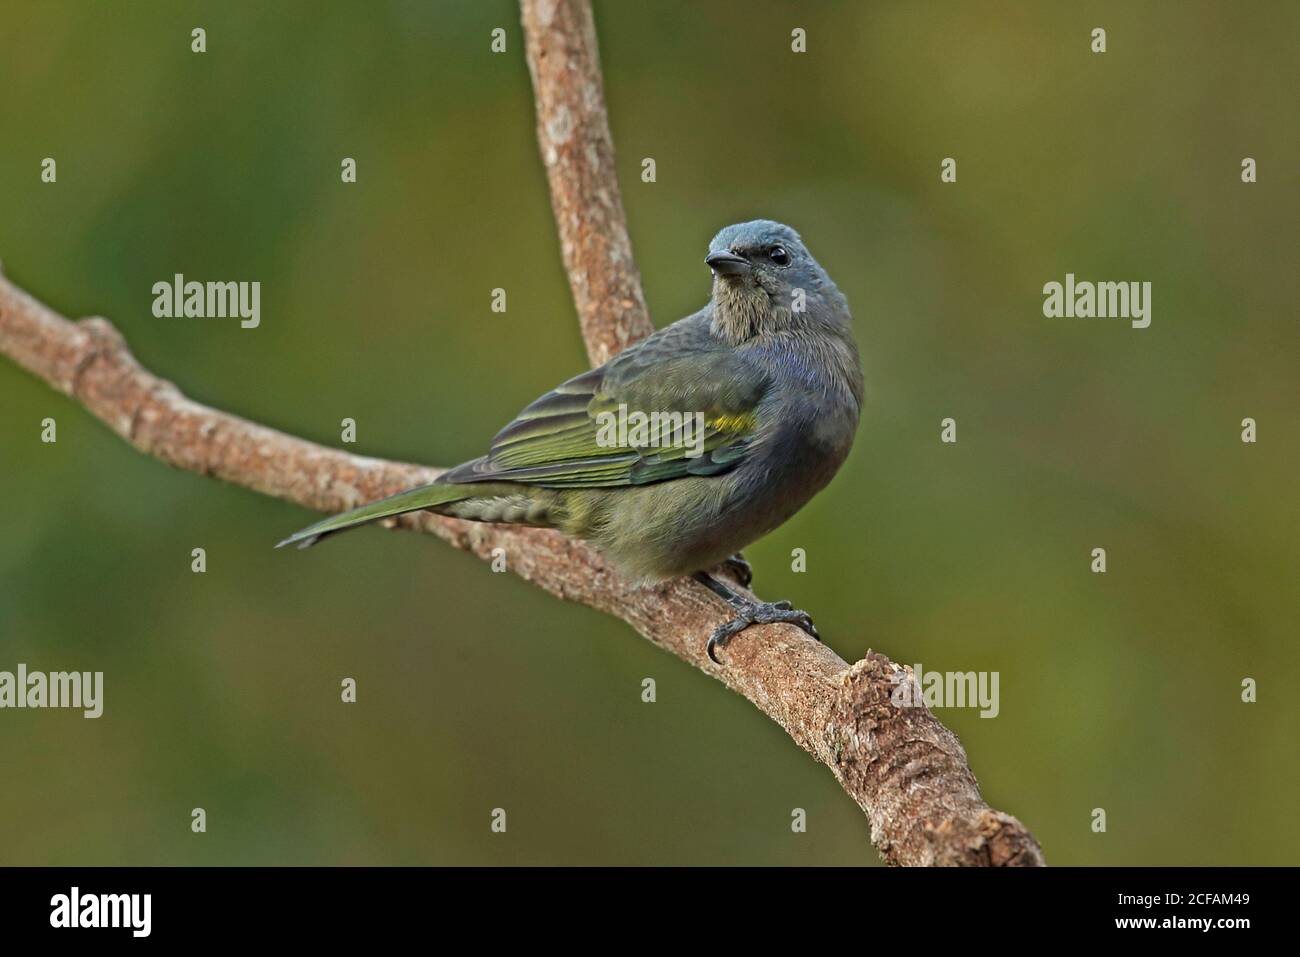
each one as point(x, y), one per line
point(765, 281)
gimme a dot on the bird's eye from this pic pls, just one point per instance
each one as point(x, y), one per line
point(779, 256)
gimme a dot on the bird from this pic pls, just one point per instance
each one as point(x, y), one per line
point(686, 447)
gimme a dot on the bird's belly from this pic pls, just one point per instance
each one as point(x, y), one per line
point(686, 525)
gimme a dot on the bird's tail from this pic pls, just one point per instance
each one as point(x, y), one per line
point(426, 496)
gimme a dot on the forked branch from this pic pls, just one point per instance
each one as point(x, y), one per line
point(906, 771)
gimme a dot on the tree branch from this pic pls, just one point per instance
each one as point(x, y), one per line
point(578, 153)
point(904, 769)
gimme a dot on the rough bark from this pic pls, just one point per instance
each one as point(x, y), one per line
point(906, 771)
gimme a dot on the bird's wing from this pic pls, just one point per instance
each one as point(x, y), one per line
point(569, 438)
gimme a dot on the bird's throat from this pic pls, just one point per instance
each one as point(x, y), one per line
point(741, 310)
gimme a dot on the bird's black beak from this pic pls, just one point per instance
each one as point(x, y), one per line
point(727, 264)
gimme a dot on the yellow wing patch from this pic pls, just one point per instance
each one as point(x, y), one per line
point(739, 422)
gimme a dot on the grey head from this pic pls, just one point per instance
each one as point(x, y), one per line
point(765, 282)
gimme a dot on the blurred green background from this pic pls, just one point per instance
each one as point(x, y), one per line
point(478, 691)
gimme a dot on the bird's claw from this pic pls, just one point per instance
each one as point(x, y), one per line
point(740, 569)
point(760, 613)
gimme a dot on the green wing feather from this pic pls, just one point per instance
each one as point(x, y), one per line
point(563, 440)
point(557, 442)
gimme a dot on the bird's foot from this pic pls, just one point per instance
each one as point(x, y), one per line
point(759, 613)
point(750, 612)
point(740, 569)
